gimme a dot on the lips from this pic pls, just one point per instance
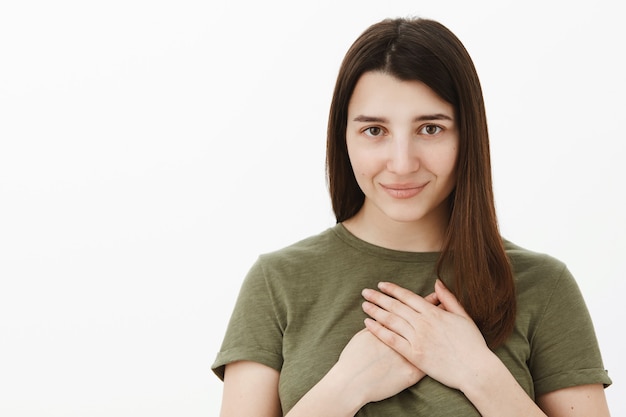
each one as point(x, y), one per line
point(403, 190)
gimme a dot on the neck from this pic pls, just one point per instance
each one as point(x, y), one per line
point(424, 235)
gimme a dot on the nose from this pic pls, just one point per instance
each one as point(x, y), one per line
point(403, 155)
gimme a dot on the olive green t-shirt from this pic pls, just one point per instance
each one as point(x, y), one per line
point(298, 307)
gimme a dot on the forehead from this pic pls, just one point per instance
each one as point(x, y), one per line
point(380, 94)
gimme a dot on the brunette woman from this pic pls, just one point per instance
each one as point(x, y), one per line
point(412, 304)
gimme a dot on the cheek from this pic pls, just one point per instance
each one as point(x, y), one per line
point(448, 160)
point(361, 171)
point(442, 162)
point(451, 161)
point(365, 174)
point(360, 161)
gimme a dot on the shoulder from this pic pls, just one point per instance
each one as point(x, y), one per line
point(312, 247)
point(539, 276)
point(525, 260)
point(307, 257)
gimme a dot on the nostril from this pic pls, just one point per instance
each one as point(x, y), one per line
point(403, 162)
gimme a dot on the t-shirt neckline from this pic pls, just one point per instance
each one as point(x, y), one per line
point(361, 245)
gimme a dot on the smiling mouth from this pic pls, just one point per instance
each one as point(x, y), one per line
point(403, 190)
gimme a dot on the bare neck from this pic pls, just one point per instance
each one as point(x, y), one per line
point(425, 235)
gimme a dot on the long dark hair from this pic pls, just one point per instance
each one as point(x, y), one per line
point(473, 251)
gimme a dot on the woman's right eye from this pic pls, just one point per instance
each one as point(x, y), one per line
point(373, 131)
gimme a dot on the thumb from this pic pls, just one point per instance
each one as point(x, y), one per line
point(432, 298)
point(448, 300)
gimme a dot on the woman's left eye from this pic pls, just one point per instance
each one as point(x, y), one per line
point(431, 130)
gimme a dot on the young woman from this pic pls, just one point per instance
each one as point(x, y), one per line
point(413, 304)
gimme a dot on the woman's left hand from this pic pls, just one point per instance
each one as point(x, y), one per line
point(443, 341)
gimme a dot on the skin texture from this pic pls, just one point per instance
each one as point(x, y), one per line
point(401, 136)
point(250, 389)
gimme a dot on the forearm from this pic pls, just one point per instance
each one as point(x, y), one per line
point(367, 371)
point(332, 396)
point(493, 390)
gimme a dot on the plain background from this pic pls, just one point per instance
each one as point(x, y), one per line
point(150, 150)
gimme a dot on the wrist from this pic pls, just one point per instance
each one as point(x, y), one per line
point(492, 386)
point(494, 391)
point(333, 396)
point(351, 397)
point(482, 376)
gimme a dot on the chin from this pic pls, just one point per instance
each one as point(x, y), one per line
point(406, 217)
point(410, 216)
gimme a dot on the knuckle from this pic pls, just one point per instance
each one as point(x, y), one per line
point(390, 338)
point(391, 319)
point(434, 314)
point(413, 374)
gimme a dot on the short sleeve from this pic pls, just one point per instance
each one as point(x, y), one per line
point(254, 332)
point(564, 348)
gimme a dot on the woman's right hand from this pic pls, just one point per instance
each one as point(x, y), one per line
point(372, 370)
point(367, 371)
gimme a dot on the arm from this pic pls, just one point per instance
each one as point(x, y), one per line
point(583, 400)
point(367, 370)
point(447, 345)
point(500, 394)
point(250, 389)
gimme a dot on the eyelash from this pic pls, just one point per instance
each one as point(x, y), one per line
point(368, 132)
point(421, 131)
point(439, 129)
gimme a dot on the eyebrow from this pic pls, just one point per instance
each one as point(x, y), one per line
point(426, 117)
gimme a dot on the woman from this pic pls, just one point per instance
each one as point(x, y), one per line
point(457, 320)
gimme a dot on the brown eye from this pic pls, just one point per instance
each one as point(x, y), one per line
point(373, 131)
point(431, 130)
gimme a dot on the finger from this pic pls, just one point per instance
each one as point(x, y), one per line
point(389, 316)
point(388, 303)
point(432, 298)
point(448, 300)
point(407, 297)
point(388, 337)
point(389, 320)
